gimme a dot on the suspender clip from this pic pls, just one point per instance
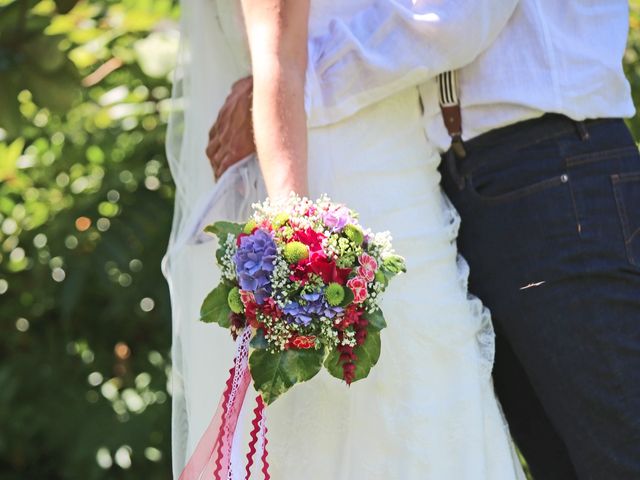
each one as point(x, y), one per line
point(457, 145)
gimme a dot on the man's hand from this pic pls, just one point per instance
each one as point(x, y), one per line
point(231, 137)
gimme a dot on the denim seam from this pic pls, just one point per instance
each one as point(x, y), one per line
point(587, 158)
point(516, 194)
point(506, 141)
point(576, 214)
point(624, 219)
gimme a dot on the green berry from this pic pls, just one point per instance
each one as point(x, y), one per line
point(334, 294)
point(234, 300)
point(295, 251)
point(249, 226)
point(354, 233)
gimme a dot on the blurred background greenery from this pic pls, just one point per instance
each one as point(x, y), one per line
point(85, 212)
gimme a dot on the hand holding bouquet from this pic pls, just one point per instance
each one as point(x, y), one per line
point(306, 278)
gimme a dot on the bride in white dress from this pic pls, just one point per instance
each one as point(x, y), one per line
point(427, 411)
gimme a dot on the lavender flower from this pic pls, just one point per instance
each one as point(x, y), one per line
point(254, 261)
point(313, 305)
point(337, 217)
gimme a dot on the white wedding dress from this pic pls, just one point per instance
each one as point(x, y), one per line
point(428, 409)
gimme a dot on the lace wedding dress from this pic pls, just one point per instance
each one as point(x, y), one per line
point(428, 410)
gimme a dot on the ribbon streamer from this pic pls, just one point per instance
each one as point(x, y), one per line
point(212, 457)
point(259, 438)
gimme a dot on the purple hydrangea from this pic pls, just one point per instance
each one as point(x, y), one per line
point(254, 261)
point(337, 217)
point(314, 305)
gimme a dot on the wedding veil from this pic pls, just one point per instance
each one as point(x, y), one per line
point(200, 353)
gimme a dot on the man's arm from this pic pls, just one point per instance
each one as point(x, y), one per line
point(385, 48)
point(392, 45)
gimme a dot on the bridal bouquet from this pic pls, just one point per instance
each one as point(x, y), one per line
point(306, 279)
point(300, 288)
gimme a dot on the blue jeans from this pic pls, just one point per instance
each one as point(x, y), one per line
point(551, 229)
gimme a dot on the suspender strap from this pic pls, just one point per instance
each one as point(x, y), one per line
point(450, 107)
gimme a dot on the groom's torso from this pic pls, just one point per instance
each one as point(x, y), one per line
point(560, 57)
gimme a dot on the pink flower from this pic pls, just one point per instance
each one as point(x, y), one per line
point(358, 286)
point(247, 297)
point(368, 267)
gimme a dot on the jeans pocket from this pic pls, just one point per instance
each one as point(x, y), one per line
point(511, 195)
point(626, 188)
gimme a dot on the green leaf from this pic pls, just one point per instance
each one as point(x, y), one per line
point(376, 319)
point(275, 373)
point(393, 265)
point(348, 297)
point(65, 6)
point(9, 155)
point(11, 119)
point(215, 308)
point(223, 229)
point(368, 354)
point(259, 342)
point(56, 90)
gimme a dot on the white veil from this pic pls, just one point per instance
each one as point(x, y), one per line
point(201, 353)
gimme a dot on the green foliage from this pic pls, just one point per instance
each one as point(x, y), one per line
point(367, 354)
point(632, 63)
point(275, 373)
point(259, 341)
point(376, 319)
point(223, 229)
point(393, 265)
point(85, 212)
point(354, 233)
point(215, 308)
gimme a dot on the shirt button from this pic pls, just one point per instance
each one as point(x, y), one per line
point(564, 178)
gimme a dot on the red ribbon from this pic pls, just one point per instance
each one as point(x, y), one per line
point(212, 457)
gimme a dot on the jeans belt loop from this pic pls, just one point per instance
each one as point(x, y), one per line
point(582, 131)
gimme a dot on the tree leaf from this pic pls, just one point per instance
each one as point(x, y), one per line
point(57, 90)
point(9, 155)
point(275, 373)
point(376, 319)
point(65, 6)
point(11, 119)
point(368, 354)
point(215, 308)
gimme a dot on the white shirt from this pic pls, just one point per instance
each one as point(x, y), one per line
point(517, 59)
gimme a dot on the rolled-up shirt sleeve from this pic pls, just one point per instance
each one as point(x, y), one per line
point(392, 45)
